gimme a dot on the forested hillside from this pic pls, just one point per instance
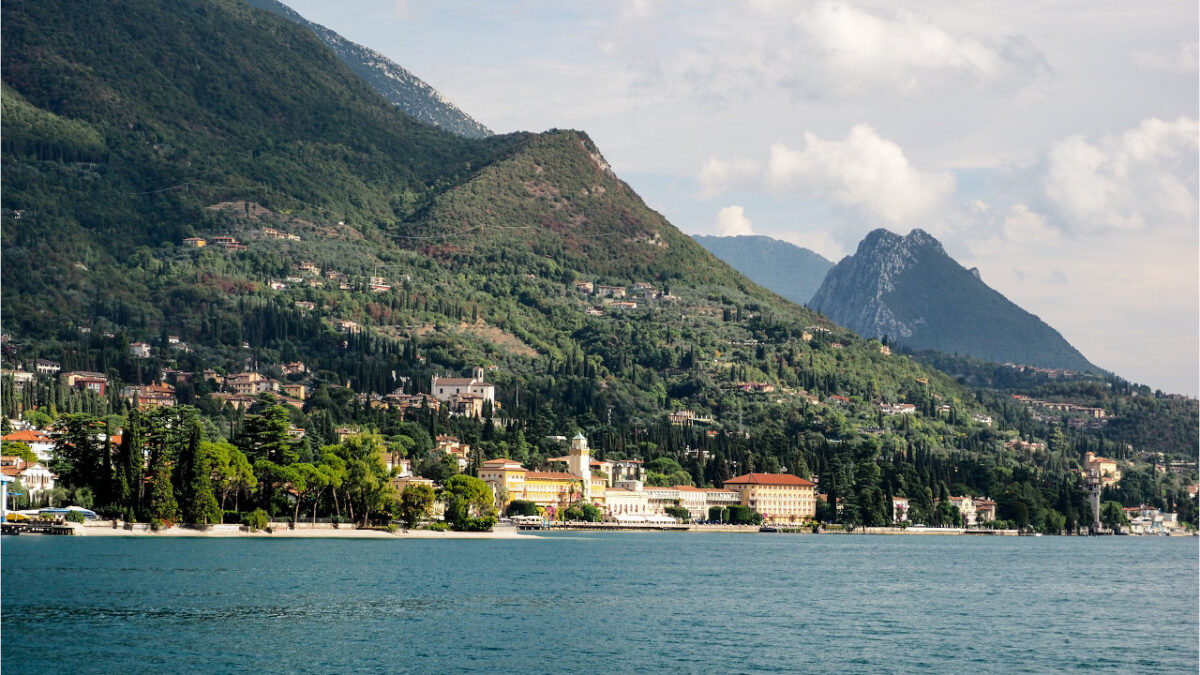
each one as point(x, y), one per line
point(380, 251)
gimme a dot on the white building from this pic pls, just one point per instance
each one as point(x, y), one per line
point(36, 478)
point(444, 388)
point(41, 444)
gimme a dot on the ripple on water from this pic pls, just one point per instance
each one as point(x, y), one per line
point(657, 602)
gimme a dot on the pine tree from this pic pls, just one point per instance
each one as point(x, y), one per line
point(201, 506)
point(163, 506)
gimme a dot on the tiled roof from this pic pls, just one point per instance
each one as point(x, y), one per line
point(456, 381)
point(27, 436)
point(550, 475)
point(769, 479)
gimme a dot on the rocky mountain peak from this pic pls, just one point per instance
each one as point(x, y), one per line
point(908, 289)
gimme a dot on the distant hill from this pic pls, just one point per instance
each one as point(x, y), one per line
point(793, 272)
point(405, 90)
point(908, 290)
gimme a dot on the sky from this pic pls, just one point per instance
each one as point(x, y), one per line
point(1053, 145)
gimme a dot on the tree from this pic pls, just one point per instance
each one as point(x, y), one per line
point(38, 419)
point(265, 436)
point(78, 451)
point(200, 506)
point(231, 472)
point(366, 483)
point(586, 512)
point(521, 507)
point(416, 503)
point(469, 503)
point(678, 512)
point(163, 508)
point(19, 450)
point(130, 467)
point(1112, 514)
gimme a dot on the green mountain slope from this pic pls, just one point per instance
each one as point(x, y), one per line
point(909, 290)
point(793, 272)
point(172, 107)
point(393, 82)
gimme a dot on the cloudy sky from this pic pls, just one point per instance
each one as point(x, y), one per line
point(1053, 145)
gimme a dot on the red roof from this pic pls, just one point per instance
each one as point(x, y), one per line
point(500, 461)
point(27, 436)
point(769, 479)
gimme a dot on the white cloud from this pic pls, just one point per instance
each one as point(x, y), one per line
point(865, 170)
point(907, 49)
point(718, 175)
point(821, 242)
point(1182, 58)
point(1144, 178)
point(731, 221)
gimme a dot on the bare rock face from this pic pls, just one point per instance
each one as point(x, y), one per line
point(908, 290)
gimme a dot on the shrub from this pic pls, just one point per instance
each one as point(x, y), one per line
point(678, 512)
point(255, 520)
point(231, 518)
point(480, 524)
point(440, 526)
point(74, 517)
point(521, 507)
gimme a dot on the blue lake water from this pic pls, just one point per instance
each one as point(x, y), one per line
point(661, 602)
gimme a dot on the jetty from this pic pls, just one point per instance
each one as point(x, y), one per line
point(36, 527)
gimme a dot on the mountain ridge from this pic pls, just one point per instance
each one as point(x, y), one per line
point(406, 91)
point(907, 289)
point(789, 270)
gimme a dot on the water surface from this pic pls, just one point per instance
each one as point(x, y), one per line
point(607, 602)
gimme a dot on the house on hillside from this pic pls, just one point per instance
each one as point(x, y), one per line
point(84, 379)
point(36, 478)
point(37, 440)
point(444, 388)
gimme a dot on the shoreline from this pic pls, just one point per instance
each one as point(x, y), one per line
point(326, 531)
point(301, 532)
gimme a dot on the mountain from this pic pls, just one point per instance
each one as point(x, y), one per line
point(405, 90)
point(908, 290)
point(793, 272)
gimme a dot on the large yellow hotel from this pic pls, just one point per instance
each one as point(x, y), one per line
point(552, 490)
point(779, 497)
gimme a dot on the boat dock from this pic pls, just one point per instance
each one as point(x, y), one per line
point(36, 528)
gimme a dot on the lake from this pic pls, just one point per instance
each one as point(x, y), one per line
point(607, 602)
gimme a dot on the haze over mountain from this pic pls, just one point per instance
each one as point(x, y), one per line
point(789, 270)
point(908, 290)
point(407, 91)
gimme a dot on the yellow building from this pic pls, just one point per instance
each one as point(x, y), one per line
point(1101, 467)
point(552, 490)
point(778, 497)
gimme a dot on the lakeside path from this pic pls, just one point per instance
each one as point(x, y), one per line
point(229, 531)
